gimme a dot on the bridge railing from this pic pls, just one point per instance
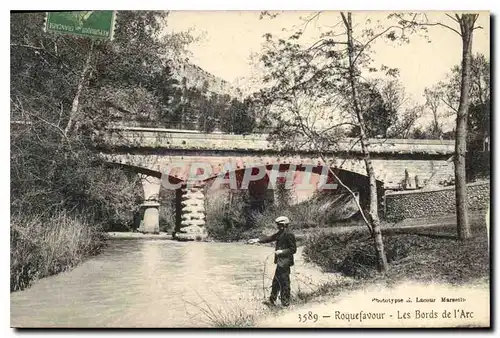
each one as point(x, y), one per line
point(263, 135)
point(147, 137)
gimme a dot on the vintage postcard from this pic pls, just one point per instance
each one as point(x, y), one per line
point(250, 169)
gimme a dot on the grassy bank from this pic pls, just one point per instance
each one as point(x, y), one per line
point(424, 255)
point(41, 248)
point(421, 254)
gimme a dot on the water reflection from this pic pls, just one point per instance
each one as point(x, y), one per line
point(143, 284)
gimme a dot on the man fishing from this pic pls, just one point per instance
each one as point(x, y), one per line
point(283, 258)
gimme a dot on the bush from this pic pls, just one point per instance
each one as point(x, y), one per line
point(351, 253)
point(167, 210)
point(234, 220)
point(317, 212)
point(423, 254)
point(43, 247)
point(230, 226)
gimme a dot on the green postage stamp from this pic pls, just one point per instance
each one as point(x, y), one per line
point(92, 24)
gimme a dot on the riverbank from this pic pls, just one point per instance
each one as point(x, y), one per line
point(41, 248)
point(137, 235)
point(420, 305)
point(182, 284)
point(423, 258)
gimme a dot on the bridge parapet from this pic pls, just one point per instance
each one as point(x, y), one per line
point(139, 137)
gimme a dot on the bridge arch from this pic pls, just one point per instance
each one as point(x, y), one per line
point(151, 181)
point(354, 180)
point(149, 151)
point(190, 200)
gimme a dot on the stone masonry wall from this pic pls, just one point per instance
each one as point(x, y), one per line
point(422, 203)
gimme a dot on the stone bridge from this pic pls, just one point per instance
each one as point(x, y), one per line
point(191, 162)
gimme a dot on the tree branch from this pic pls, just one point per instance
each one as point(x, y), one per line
point(449, 105)
point(448, 15)
point(75, 104)
point(371, 40)
point(26, 46)
point(320, 154)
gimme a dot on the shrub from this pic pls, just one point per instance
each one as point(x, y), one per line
point(43, 247)
point(351, 253)
point(230, 219)
point(235, 218)
point(230, 227)
point(423, 254)
point(317, 212)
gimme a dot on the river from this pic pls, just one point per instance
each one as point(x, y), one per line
point(153, 283)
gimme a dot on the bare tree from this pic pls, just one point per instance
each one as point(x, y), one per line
point(405, 112)
point(466, 26)
point(353, 81)
point(433, 100)
point(318, 94)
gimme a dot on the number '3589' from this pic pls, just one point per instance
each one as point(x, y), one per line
point(308, 317)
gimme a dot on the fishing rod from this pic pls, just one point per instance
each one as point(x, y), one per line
point(264, 274)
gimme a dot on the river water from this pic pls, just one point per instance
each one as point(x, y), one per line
point(153, 283)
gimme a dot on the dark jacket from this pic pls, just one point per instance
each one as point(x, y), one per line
point(285, 240)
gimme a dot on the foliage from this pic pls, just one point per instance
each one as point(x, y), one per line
point(42, 247)
point(230, 220)
point(167, 210)
point(463, 25)
point(308, 95)
point(433, 102)
point(238, 117)
point(443, 99)
point(63, 89)
point(317, 94)
point(67, 177)
point(480, 84)
point(384, 110)
point(416, 254)
point(58, 80)
point(353, 261)
point(235, 218)
point(199, 109)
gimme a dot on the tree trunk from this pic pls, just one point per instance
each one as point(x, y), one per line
point(74, 107)
point(466, 26)
point(373, 212)
point(436, 129)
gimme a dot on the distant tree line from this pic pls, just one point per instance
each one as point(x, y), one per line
point(442, 102)
point(443, 99)
point(192, 108)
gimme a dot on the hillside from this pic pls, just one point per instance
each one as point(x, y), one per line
point(198, 78)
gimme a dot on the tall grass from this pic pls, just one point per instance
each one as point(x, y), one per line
point(43, 247)
point(225, 316)
point(222, 312)
point(233, 219)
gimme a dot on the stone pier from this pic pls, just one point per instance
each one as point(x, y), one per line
point(151, 207)
point(192, 214)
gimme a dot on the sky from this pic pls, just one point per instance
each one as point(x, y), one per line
point(228, 38)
